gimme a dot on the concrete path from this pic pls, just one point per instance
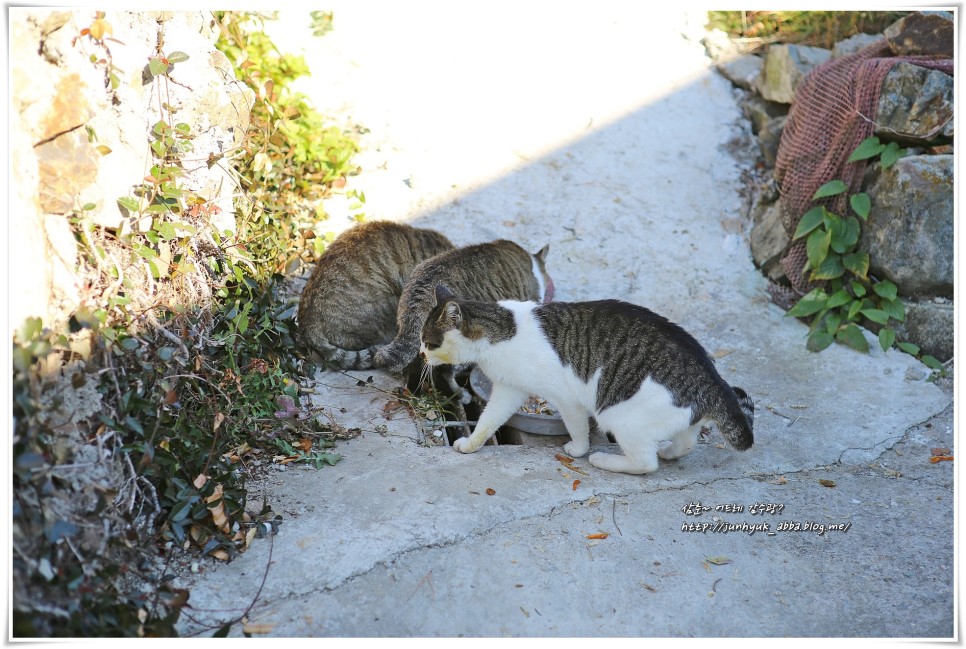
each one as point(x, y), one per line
point(605, 133)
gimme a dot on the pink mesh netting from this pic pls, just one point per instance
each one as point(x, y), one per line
point(832, 113)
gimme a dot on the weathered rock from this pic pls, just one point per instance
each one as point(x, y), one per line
point(785, 67)
point(915, 105)
point(761, 111)
point(853, 44)
point(69, 108)
point(924, 32)
point(719, 46)
point(76, 141)
point(768, 239)
point(742, 71)
point(909, 234)
point(929, 324)
point(67, 165)
point(770, 137)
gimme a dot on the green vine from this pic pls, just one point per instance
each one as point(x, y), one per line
point(849, 294)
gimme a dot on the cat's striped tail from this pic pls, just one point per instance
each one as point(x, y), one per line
point(737, 425)
point(343, 359)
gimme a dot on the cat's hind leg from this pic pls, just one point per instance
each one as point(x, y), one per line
point(681, 444)
point(638, 463)
point(503, 402)
point(639, 426)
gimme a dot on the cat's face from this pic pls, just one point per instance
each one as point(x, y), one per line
point(441, 338)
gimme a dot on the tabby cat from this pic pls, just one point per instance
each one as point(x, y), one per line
point(642, 377)
point(348, 307)
point(498, 270)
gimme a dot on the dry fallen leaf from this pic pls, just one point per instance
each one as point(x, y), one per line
point(601, 535)
point(827, 483)
point(568, 462)
point(718, 561)
point(490, 492)
point(941, 458)
point(779, 480)
point(576, 483)
point(218, 515)
point(940, 451)
point(257, 629)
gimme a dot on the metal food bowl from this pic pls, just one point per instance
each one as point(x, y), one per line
point(528, 422)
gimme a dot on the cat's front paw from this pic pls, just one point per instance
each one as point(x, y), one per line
point(573, 449)
point(465, 445)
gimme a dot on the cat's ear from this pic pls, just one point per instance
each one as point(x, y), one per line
point(443, 294)
point(542, 255)
point(454, 315)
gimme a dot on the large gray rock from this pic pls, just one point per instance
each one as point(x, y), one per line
point(769, 239)
point(915, 105)
point(924, 32)
point(742, 71)
point(853, 44)
point(770, 137)
point(761, 111)
point(929, 324)
point(785, 67)
point(719, 46)
point(909, 234)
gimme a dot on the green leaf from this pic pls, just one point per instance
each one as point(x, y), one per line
point(895, 308)
point(858, 263)
point(177, 57)
point(854, 310)
point(838, 299)
point(157, 67)
point(830, 268)
point(819, 340)
point(886, 289)
point(167, 231)
point(931, 362)
point(129, 344)
point(858, 289)
point(835, 226)
point(130, 204)
point(886, 338)
point(850, 231)
point(861, 204)
point(813, 302)
point(831, 188)
point(817, 246)
point(876, 315)
point(868, 148)
point(809, 221)
point(909, 348)
point(891, 154)
point(832, 322)
point(852, 336)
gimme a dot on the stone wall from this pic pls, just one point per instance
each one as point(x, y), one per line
point(79, 137)
point(909, 234)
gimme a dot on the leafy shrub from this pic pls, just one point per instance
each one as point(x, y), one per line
point(188, 395)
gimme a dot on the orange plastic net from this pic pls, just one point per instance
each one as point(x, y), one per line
point(832, 113)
